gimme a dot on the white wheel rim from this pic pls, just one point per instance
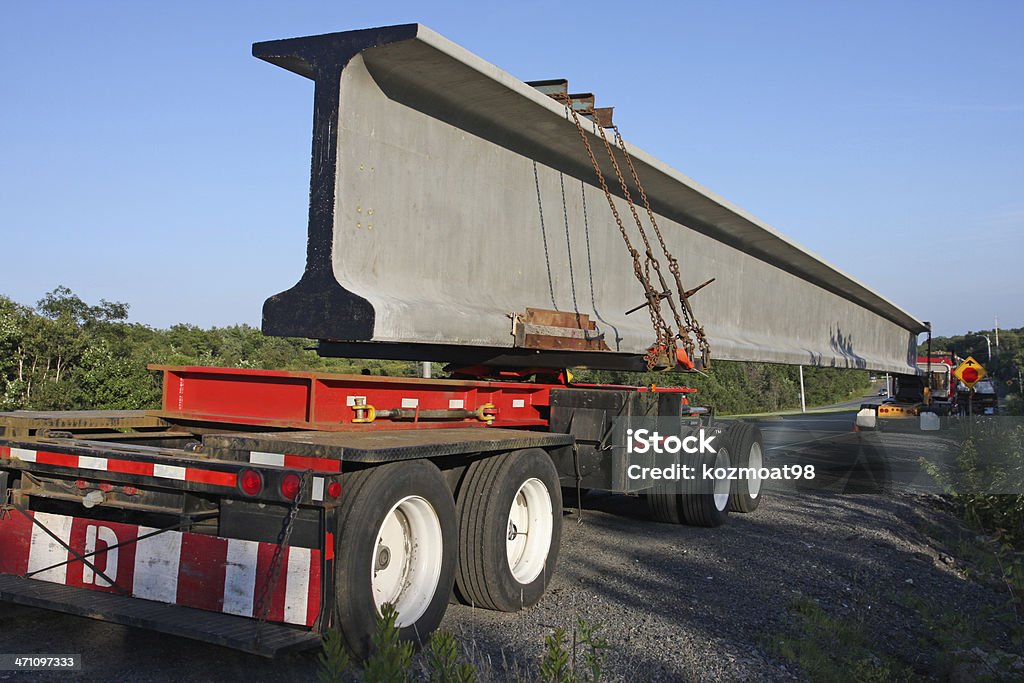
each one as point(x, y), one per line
point(754, 462)
point(722, 485)
point(528, 532)
point(406, 562)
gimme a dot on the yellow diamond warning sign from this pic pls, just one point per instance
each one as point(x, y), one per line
point(970, 372)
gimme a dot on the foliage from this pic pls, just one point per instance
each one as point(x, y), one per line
point(742, 388)
point(334, 659)
point(986, 484)
point(596, 653)
point(443, 661)
point(986, 480)
point(390, 657)
point(65, 354)
point(1005, 360)
point(554, 666)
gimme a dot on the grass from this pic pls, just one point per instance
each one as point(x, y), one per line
point(830, 649)
point(392, 660)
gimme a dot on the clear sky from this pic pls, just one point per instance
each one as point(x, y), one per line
point(147, 157)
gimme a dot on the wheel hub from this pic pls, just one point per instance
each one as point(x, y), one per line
point(383, 557)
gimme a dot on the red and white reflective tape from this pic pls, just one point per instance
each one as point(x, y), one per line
point(87, 462)
point(192, 570)
point(301, 462)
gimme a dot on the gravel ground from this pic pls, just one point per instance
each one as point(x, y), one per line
point(676, 603)
point(681, 603)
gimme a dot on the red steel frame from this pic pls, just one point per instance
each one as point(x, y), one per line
point(323, 401)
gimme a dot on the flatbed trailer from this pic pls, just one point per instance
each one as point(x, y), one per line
point(256, 509)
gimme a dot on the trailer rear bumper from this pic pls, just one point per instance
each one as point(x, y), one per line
point(236, 632)
point(183, 569)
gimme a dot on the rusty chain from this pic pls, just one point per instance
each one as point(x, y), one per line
point(691, 324)
point(661, 330)
point(686, 322)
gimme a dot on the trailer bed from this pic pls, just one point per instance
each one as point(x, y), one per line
point(387, 446)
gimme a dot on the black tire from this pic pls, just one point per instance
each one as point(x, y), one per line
point(664, 502)
point(704, 501)
point(747, 449)
point(484, 505)
point(369, 497)
point(692, 501)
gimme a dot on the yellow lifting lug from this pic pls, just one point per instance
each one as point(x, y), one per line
point(365, 413)
point(483, 415)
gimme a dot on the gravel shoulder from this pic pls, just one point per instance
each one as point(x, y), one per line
point(681, 603)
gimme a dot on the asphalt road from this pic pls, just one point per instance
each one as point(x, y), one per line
point(617, 568)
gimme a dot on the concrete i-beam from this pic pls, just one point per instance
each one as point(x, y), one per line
point(448, 197)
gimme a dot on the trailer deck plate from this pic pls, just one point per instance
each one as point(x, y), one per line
point(21, 422)
point(386, 446)
point(219, 629)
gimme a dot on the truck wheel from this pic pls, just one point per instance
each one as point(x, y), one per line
point(696, 501)
point(397, 539)
point(510, 525)
point(746, 446)
point(705, 502)
point(665, 502)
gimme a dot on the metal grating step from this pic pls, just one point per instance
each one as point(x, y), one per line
point(238, 633)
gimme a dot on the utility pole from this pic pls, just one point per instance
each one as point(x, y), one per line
point(928, 365)
point(997, 334)
point(803, 401)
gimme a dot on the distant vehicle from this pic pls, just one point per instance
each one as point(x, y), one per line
point(984, 400)
point(931, 390)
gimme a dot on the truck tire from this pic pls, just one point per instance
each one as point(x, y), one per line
point(510, 525)
point(747, 449)
point(665, 502)
point(696, 501)
point(397, 543)
point(705, 502)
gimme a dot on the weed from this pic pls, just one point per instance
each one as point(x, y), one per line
point(596, 653)
point(554, 666)
point(443, 661)
point(391, 658)
point(334, 659)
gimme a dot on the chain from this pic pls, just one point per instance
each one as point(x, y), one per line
point(661, 330)
point(7, 505)
point(686, 323)
point(690, 324)
point(265, 598)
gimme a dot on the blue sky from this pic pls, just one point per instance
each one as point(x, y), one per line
point(147, 157)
